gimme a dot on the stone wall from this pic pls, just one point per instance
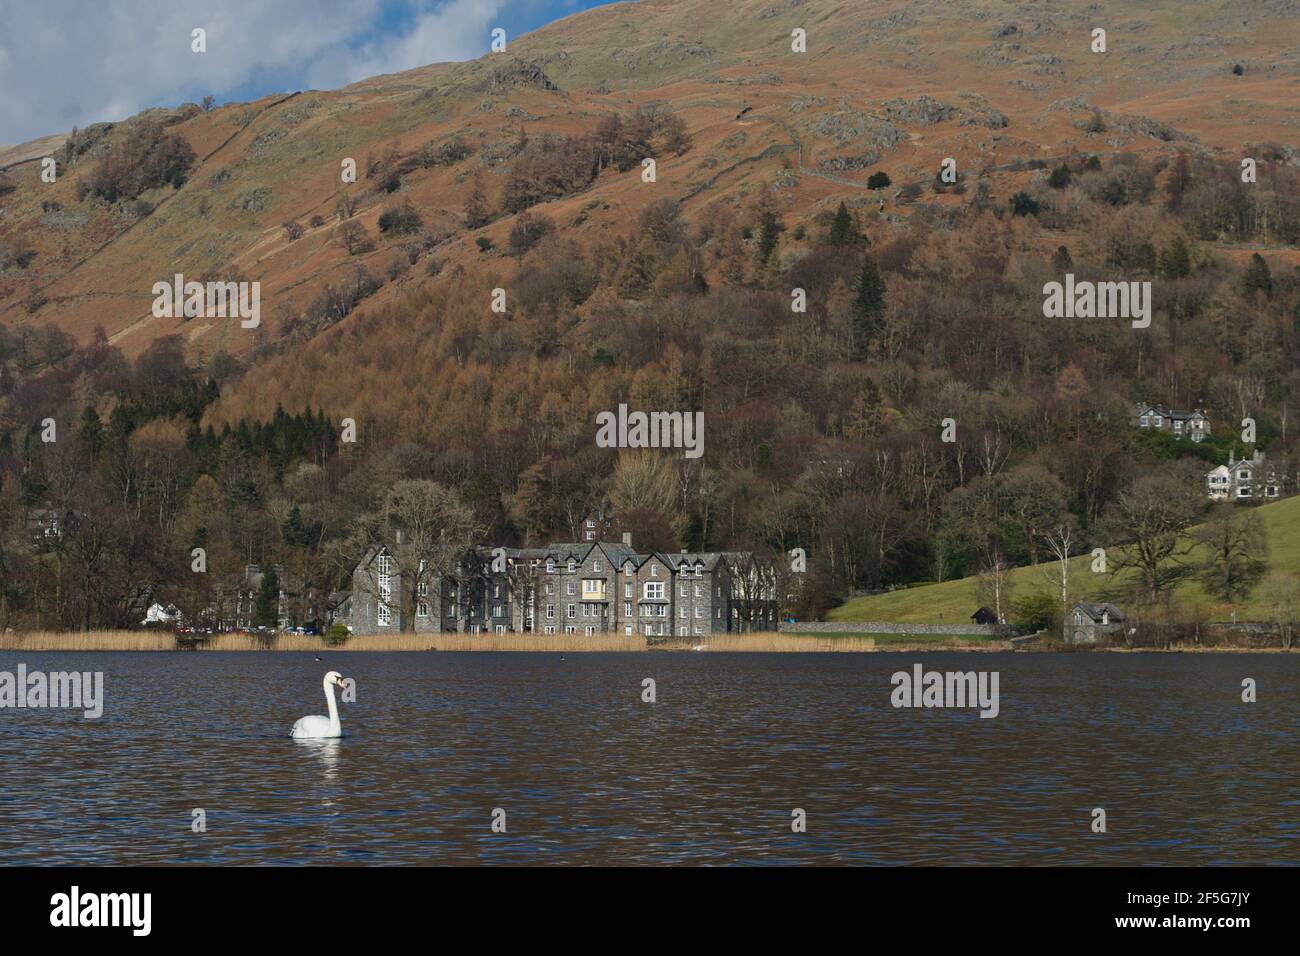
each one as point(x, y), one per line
point(881, 627)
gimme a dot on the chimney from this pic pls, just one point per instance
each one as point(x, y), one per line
point(627, 538)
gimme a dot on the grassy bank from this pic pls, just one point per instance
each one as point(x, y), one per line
point(952, 602)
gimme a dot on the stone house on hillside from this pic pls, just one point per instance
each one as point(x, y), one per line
point(1180, 423)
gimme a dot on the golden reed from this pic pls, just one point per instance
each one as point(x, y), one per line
point(560, 643)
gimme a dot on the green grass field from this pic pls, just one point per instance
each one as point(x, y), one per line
point(952, 602)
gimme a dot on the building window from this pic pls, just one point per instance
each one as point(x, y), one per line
point(595, 565)
point(627, 610)
point(681, 612)
point(550, 612)
point(654, 590)
point(699, 612)
point(422, 609)
point(683, 590)
point(573, 610)
point(573, 565)
point(570, 588)
point(699, 590)
point(384, 614)
point(627, 589)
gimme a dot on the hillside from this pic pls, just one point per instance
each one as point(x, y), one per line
point(953, 602)
point(903, 86)
point(865, 340)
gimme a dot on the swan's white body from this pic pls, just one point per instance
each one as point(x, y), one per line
point(317, 726)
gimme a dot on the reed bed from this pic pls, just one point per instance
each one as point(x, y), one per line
point(166, 641)
point(87, 641)
point(767, 642)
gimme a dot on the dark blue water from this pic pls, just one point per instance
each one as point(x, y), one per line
point(709, 774)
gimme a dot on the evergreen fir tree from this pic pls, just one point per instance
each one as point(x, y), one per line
point(91, 431)
point(843, 232)
point(267, 610)
point(1258, 278)
point(1176, 261)
point(868, 305)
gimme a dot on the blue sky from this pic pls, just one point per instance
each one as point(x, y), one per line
point(66, 63)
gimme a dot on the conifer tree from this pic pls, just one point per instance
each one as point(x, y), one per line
point(1258, 278)
point(267, 609)
point(843, 232)
point(868, 305)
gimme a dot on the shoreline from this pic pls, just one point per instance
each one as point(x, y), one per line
point(778, 643)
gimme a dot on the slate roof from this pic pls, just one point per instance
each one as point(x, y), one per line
point(1095, 611)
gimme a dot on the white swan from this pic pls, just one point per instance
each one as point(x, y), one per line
point(318, 726)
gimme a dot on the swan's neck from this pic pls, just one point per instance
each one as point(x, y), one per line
point(334, 709)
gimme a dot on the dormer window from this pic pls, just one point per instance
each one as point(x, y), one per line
point(573, 565)
point(550, 566)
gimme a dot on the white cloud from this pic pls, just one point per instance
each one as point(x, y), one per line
point(436, 36)
point(66, 63)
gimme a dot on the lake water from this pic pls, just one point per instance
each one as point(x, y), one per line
point(709, 774)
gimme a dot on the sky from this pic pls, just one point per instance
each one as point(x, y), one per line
point(66, 63)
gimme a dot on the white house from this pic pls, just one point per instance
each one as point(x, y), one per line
point(1242, 480)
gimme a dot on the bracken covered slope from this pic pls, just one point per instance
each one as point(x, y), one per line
point(883, 84)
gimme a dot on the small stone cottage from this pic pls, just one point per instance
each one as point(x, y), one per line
point(1088, 623)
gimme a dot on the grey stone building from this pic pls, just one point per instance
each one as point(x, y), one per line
point(1180, 423)
point(1088, 623)
point(582, 588)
